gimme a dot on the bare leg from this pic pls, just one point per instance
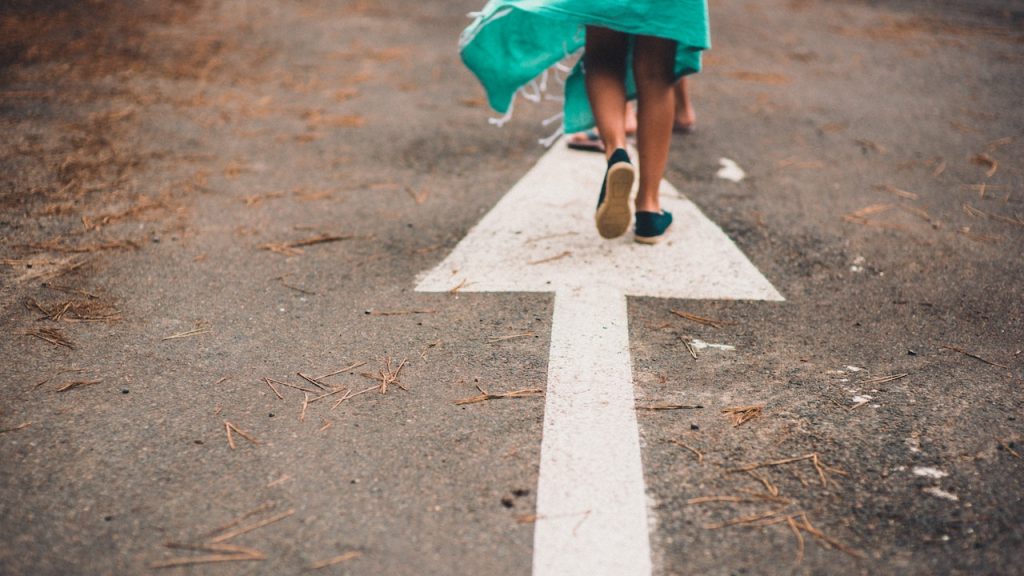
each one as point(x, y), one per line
point(631, 118)
point(606, 78)
point(685, 116)
point(653, 66)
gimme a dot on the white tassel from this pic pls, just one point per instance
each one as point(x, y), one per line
point(547, 142)
point(556, 117)
point(537, 90)
point(532, 97)
point(499, 122)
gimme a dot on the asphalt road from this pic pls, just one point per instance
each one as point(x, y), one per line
point(199, 196)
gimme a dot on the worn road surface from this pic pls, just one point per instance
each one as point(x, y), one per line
point(201, 199)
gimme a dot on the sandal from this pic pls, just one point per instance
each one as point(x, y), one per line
point(589, 141)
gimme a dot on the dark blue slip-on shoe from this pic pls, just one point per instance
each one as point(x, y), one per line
point(651, 226)
point(613, 209)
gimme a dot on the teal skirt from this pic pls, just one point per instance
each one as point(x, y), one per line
point(512, 42)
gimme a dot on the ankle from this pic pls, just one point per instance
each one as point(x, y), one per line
point(648, 206)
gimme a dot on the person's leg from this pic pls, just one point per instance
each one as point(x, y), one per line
point(605, 64)
point(590, 140)
point(631, 118)
point(685, 116)
point(653, 61)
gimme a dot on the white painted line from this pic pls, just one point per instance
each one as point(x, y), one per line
point(591, 499)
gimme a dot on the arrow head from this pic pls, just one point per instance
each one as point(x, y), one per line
point(541, 237)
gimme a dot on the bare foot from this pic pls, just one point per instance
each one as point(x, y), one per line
point(685, 118)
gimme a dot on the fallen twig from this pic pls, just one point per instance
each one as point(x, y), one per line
point(689, 347)
point(821, 469)
point(743, 414)
point(697, 453)
point(860, 216)
point(972, 211)
point(229, 428)
point(51, 335)
point(806, 526)
point(423, 353)
point(208, 559)
point(348, 396)
point(484, 395)
point(495, 339)
point(670, 407)
point(550, 259)
point(217, 542)
point(295, 248)
point(372, 312)
point(746, 519)
point(325, 395)
point(741, 499)
point(897, 191)
point(193, 332)
point(698, 319)
point(250, 527)
point(27, 424)
point(387, 375)
point(799, 538)
point(883, 379)
point(271, 384)
point(335, 560)
point(66, 371)
point(312, 381)
point(77, 384)
point(975, 356)
point(986, 161)
point(282, 383)
point(771, 488)
point(345, 369)
point(1002, 443)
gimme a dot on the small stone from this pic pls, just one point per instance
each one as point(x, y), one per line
point(694, 427)
point(124, 390)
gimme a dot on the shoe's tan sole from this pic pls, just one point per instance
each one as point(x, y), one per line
point(652, 239)
point(614, 215)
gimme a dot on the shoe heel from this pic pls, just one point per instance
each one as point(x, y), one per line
point(614, 215)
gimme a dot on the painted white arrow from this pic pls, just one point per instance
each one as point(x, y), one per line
point(591, 500)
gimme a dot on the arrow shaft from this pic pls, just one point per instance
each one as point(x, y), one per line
point(591, 501)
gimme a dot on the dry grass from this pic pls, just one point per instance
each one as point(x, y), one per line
point(53, 336)
point(216, 545)
point(740, 415)
point(75, 311)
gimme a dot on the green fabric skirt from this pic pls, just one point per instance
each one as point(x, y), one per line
point(512, 42)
